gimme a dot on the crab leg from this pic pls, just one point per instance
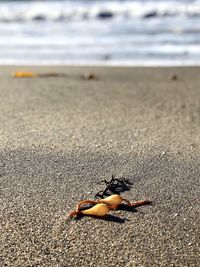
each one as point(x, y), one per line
point(137, 203)
point(93, 202)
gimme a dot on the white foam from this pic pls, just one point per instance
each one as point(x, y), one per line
point(73, 10)
point(79, 37)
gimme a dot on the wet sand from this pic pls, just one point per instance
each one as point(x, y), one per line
point(60, 136)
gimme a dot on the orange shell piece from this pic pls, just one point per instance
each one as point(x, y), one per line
point(24, 74)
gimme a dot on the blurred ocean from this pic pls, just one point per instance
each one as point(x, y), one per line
point(100, 32)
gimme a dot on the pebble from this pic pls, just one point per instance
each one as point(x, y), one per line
point(97, 145)
point(174, 77)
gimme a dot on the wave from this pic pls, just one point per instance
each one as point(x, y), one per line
point(79, 10)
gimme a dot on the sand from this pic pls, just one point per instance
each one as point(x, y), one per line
point(60, 136)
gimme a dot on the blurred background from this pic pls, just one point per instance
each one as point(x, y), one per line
point(100, 32)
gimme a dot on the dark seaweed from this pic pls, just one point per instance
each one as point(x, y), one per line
point(114, 186)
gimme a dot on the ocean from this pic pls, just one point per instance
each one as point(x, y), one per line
point(100, 32)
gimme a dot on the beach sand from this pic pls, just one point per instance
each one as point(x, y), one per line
point(60, 136)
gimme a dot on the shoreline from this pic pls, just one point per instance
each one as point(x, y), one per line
point(103, 65)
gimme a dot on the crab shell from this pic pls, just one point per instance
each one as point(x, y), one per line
point(113, 200)
point(98, 210)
